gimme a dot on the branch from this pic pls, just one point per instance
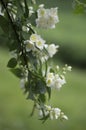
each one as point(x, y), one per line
point(11, 22)
point(16, 34)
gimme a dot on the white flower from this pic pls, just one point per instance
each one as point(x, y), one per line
point(55, 113)
point(31, 11)
point(50, 79)
point(44, 58)
point(47, 18)
point(41, 22)
point(34, 37)
point(25, 29)
point(69, 68)
point(52, 49)
point(59, 81)
point(41, 113)
point(48, 108)
point(29, 45)
point(41, 6)
point(53, 18)
point(39, 42)
point(64, 116)
point(41, 12)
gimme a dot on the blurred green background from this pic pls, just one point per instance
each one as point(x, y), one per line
point(70, 34)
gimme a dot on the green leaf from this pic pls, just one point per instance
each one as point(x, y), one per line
point(31, 95)
point(4, 24)
point(79, 8)
point(13, 45)
point(49, 92)
point(32, 19)
point(52, 70)
point(29, 89)
point(17, 72)
point(42, 97)
point(40, 87)
point(12, 63)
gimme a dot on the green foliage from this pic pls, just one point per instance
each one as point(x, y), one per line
point(4, 24)
point(12, 63)
point(17, 72)
point(79, 6)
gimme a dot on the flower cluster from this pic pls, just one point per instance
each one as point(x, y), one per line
point(48, 77)
point(32, 53)
point(53, 113)
point(47, 18)
point(37, 45)
point(55, 81)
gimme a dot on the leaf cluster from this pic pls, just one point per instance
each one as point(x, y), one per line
point(79, 6)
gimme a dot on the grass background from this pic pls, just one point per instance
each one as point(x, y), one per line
point(15, 109)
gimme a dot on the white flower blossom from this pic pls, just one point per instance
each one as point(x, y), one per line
point(29, 45)
point(34, 37)
point(52, 49)
point(25, 29)
point(48, 108)
point(39, 42)
point(50, 79)
point(44, 58)
point(41, 113)
point(69, 68)
point(31, 11)
point(41, 6)
point(47, 18)
point(59, 81)
point(55, 113)
point(42, 12)
point(54, 80)
point(65, 117)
